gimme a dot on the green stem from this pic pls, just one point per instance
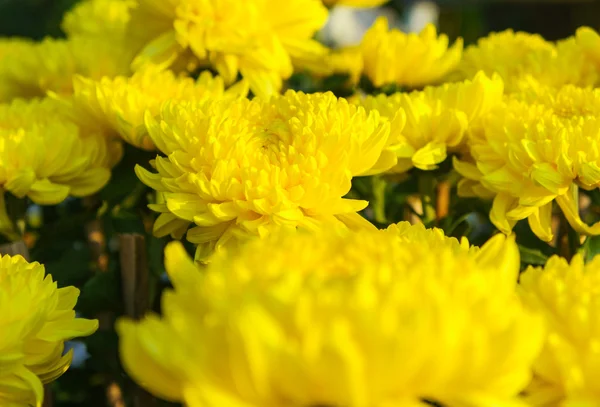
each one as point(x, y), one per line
point(568, 239)
point(427, 190)
point(379, 185)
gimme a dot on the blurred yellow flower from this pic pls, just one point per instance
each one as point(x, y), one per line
point(518, 56)
point(392, 57)
point(44, 157)
point(118, 105)
point(30, 69)
point(257, 38)
point(342, 61)
point(589, 42)
point(354, 3)
point(528, 155)
point(98, 18)
point(338, 319)
point(433, 238)
point(37, 318)
point(437, 119)
point(243, 168)
point(567, 295)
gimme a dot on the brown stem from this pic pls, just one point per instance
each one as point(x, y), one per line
point(443, 200)
point(134, 274)
point(136, 292)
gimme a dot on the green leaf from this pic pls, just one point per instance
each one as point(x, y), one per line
point(73, 266)
point(101, 293)
point(591, 248)
point(532, 257)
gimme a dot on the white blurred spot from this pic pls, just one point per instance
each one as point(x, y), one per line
point(347, 25)
point(420, 14)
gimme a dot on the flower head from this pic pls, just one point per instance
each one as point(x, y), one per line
point(43, 155)
point(428, 124)
point(411, 60)
point(257, 38)
point(342, 61)
point(36, 320)
point(30, 69)
point(518, 56)
point(338, 319)
point(567, 295)
point(119, 104)
point(243, 168)
point(98, 18)
point(589, 43)
point(528, 155)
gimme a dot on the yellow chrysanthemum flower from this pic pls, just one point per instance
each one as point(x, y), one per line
point(10, 48)
point(98, 18)
point(517, 56)
point(342, 61)
point(433, 238)
point(354, 3)
point(32, 69)
point(567, 370)
point(43, 155)
point(392, 57)
point(437, 119)
point(248, 167)
point(339, 319)
point(36, 320)
point(257, 38)
point(528, 155)
point(119, 105)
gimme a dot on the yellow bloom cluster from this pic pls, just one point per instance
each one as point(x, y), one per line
point(519, 56)
point(339, 319)
point(257, 38)
point(567, 370)
point(119, 105)
point(426, 125)
point(237, 168)
point(528, 155)
point(44, 156)
point(408, 60)
point(36, 320)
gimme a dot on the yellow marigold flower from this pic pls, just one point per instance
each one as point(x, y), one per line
point(567, 370)
point(516, 56)
point(43, 155)
point(257, 38)
point(354, 3)
point(338, 319)
point(36, 320)
point(411, 60)
point(247, 167)
point(33, 69)
point(98, 18)
point(119, 104)
point(527, 156)
point(437, 119)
